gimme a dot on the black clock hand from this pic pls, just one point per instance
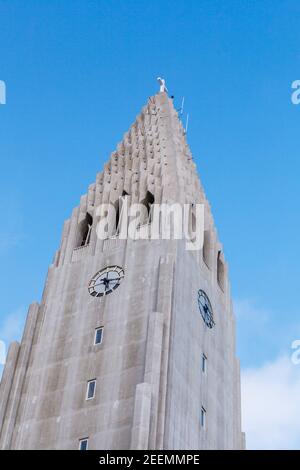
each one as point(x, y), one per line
point(105, 280)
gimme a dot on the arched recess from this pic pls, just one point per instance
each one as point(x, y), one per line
point(118, 211)
point(85, 228)
point(221, 271)
point(192, 222)
point(206, 252)
point(148, 202)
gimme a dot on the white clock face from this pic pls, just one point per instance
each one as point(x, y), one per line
point(105, 281)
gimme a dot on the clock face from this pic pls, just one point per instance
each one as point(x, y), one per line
point(205, 309)
point(105, 281)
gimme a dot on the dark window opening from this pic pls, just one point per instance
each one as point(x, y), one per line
point(148, 202)
point(98, 335)
point(85, 229)
point(83, 444)
point(203, 417)
point(204, 360)
point(118, 209)
point(91, 389)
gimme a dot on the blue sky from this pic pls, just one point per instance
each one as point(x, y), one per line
point(78, 72)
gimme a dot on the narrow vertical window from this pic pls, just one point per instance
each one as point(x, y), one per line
point(85, 228)
point(148, 203)
point(204, 362)
point(84, 444)
point(206, 248)
point(119, 205)
point(220, 271)
point(203, 417)
point(91, 389)
point(98, 335)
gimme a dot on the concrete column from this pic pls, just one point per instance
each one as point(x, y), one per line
point(72, 235)
point(164, 304)
point(7, 378)
point(141, 417)
point(19, 376)
point(63, 243)
point(153, 368)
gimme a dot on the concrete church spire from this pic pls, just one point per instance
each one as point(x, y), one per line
point(133, 343)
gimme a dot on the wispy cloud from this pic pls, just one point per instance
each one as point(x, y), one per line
point(12, 326)
point(248, 310)
point(254, 343)
point(261, 333)
point(270, 380)
point(270, 405)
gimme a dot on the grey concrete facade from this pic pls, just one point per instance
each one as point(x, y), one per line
point(150, 384)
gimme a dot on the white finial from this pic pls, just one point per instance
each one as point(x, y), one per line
point(162, 83)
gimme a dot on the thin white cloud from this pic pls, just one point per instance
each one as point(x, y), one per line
point(270, 405)
point(12, 326)
point(254, 343)
point(247, 310)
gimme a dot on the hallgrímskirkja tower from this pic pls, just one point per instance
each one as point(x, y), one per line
point(133, 343)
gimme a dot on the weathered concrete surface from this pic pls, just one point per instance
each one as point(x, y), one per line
point(150, 386)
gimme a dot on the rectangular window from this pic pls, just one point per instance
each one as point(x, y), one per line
point(83, 444)
point(91, 389)
point(98, 335)
point(204, 362)
point(203, 417)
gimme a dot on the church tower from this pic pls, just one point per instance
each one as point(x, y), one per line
point(133, 343)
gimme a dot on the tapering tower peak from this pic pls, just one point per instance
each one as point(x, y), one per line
point(133, 343)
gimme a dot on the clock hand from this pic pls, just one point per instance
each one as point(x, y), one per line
point(105, 280)
point(98, 283)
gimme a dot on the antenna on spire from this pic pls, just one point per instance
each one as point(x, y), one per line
point(187, 123)
point(180, 110)
point(162, 83)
